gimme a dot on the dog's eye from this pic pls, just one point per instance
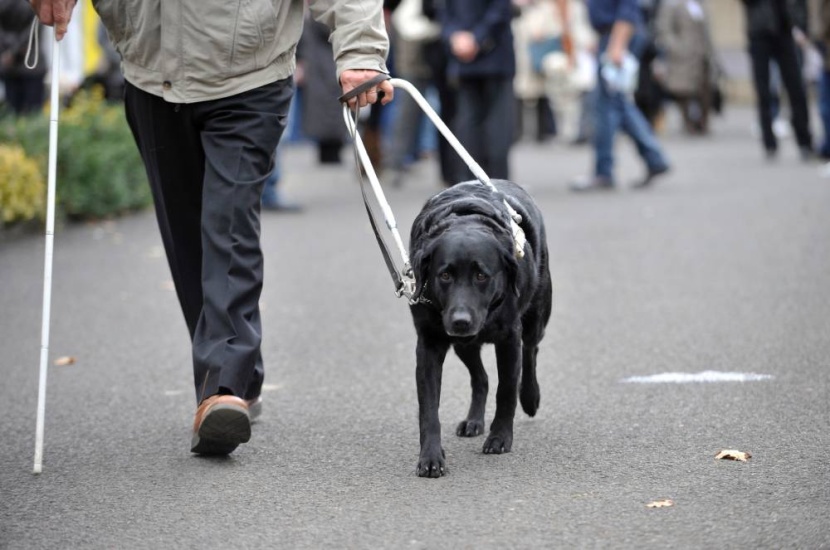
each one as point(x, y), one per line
point(444, 276)
point(481, 277)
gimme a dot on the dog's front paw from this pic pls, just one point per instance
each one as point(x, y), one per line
point(497, 443)
point(432, 464)
point(470, 428)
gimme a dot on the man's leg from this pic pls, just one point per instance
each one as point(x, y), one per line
point(436, 58)
point(470, 124)
point(499, 126)
point(824, 111)
point(239, 134)
point(188, 189)
point(784, 51)
point(173, 158)
point(636, 126)
point(759, 52)
point(609, 109)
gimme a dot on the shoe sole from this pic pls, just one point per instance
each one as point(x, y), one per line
point(223, 429)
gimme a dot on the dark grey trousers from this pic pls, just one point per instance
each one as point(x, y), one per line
point(782, 50)
point(207, 163)
point(485, 123)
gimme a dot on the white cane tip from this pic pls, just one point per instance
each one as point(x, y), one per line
point(37, 469)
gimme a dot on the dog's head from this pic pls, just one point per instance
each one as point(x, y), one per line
point(468, 271)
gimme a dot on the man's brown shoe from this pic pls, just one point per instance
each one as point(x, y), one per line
point(222, 422)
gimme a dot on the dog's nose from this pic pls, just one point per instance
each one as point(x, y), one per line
point(461, 323)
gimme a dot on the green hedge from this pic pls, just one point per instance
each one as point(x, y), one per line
point(21, 186)
point(99, 172)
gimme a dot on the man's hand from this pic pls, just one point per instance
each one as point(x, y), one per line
point(54, 13)
point(352, 78)
point(464, 46)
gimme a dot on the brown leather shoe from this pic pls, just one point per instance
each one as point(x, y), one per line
point(222, 422)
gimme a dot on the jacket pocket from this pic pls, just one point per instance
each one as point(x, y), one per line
point(115, 16)
point(255, 36)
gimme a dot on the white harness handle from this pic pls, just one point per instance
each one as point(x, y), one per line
point(519, 238)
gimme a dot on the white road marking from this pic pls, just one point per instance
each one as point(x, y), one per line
point(690, 378)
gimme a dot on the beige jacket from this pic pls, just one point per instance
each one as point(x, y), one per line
point(197, 50)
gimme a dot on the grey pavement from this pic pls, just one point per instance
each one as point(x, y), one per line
point(722, 266)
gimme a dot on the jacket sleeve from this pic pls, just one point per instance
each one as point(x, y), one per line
point(628, 11)
point(358, 36)
point(497, 15)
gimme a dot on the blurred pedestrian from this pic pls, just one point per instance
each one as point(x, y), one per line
point(482, 64)
point(539, 32)
point(24, 86)
point(322, 116)
point(617, 22)
point(413, 33)
point(689, 61)
point(570, 74)
point(769, 27)
point(207, 119)
point(650, 97)
point(437, 57)
point(819, 30)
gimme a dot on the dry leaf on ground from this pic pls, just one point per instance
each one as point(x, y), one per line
point(730, 454)
point(64, 361)
point(665, 503)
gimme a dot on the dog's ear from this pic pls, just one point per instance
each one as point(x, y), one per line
point(421, 258)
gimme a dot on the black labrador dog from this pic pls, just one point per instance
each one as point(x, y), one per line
point(472, 289)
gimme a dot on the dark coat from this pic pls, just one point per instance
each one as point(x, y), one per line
point(768, 17)
point(489, 21)
point(322, 114)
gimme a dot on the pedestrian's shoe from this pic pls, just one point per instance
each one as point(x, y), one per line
point(254, 407)
point(596, 183)
point(222, 422)
point(651, 175)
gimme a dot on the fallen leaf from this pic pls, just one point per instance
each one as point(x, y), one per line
point(730, 454)
point(665, 503)
point(64, 361)
point(167, 285)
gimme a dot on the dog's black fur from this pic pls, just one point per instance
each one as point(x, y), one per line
point(471, 289)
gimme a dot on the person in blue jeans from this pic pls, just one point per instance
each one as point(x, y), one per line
point(824, 112)
point(617, 23)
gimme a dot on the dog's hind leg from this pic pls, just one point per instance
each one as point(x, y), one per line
point(429, 367)
point(508, 359)
point(533, 323)
point(529, 394)
point(474, 423)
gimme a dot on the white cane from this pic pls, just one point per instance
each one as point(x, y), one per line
point(47, 267)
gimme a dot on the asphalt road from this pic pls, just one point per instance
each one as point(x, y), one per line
point(723, 266)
